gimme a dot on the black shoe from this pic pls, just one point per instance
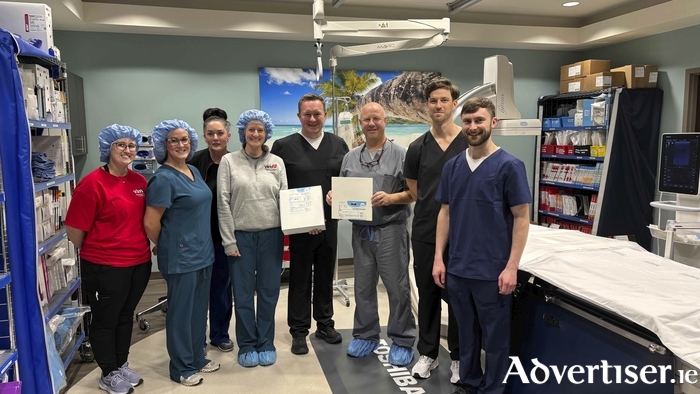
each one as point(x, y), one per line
point(329, 334)
point(465, 390)
point(299, 345)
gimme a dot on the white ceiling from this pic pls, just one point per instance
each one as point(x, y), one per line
point(527, 24)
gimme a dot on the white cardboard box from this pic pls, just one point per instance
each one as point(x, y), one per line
point(32, 22)
point(352, 198)
point(301, 210)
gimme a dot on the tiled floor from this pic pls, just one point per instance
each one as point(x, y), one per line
point(290, 374)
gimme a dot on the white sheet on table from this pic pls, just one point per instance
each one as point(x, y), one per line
point(660, 295)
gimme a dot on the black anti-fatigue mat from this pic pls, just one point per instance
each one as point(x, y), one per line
point(368, 375)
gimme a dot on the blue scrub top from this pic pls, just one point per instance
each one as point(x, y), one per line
point(481, 223)
point(185, 243)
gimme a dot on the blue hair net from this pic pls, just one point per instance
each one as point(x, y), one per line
point(112, 133)
point(160, 134)
point(254, 114)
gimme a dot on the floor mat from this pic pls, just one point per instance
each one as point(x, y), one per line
point(368, 375)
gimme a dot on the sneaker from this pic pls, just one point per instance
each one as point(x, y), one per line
point(268, 357)
point(191, 380)
point(115, 383)
point(424, 366)
point(454, 368)
point(210, 367)
point(129, 374)
point(329, 334)
point(299, 345)
point(225, 346)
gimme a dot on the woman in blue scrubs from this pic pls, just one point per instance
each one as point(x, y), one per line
point(178, 211)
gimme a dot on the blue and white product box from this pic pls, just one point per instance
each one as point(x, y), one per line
point(587, 114)
point(302, 210)
point(31, 22)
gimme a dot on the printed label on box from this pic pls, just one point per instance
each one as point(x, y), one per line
point(653, 76)
point(603, 81)
point(574, 72)
point(639, 72)
point(575, 86)
point(34, 23)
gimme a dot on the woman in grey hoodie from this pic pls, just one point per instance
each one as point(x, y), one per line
point(249, 183)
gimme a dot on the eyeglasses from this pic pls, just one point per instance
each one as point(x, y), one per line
point(177, 141)
point(373, 163)
point(124, 146)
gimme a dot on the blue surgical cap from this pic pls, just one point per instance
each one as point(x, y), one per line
point(112, 133)
point(250, 115)
point(161, 132)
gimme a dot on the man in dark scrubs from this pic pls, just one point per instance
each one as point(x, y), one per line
point(311, 158)
point(424, 161)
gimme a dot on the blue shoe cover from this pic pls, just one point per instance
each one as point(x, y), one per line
point(400, 356)
point(361, 347)
point(249, 359)
point(268, 357)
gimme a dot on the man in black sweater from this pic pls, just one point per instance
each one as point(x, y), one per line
point(311, 158)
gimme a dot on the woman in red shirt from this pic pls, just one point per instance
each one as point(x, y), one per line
point(105, 221)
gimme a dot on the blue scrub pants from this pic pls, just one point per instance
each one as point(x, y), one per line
point(186, 321)
point(257, 271)
point(382, 251)
point(220, 298)
point(482, 314)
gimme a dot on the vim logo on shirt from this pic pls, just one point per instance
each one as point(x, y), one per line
point(271, 167)
point(139, 192)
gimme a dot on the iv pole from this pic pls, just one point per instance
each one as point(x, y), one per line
point(435, 33)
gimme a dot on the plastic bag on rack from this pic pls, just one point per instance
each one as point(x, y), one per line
point(581, 137)
point(58, 372)
point(598, 138)
point(64, 326)
point(550, 138)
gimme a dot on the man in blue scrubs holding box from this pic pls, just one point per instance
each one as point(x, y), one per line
point(485, 207)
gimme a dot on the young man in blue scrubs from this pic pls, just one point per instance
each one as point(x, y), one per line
point(485, 207)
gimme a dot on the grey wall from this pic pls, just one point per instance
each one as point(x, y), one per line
point(140, 80)
point(674, 52)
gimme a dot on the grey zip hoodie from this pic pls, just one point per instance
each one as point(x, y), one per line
point(248, 192)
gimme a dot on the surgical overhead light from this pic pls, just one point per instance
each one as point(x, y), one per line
point(458, 5)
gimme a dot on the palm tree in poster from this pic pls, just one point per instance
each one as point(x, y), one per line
point(350, 84)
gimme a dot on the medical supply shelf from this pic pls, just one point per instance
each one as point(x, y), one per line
point(36, 370)
point(60, 297)
point(572, 157)
point(42, 124)
point(69, 356)
point(53, 241)
point(567, 217)
point(5, 280)
point(7, 359)
point(626, 173)
point(569, 185)
point(53, 182)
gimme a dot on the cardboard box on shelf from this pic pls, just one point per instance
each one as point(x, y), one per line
point(651, 76)
point(635, 75)
point(31, 22)
point(592, 82)
point(583, 69)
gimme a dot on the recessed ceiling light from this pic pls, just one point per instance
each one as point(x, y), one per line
point(571, 4)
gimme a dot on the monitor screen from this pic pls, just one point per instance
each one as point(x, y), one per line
point(680, 163)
